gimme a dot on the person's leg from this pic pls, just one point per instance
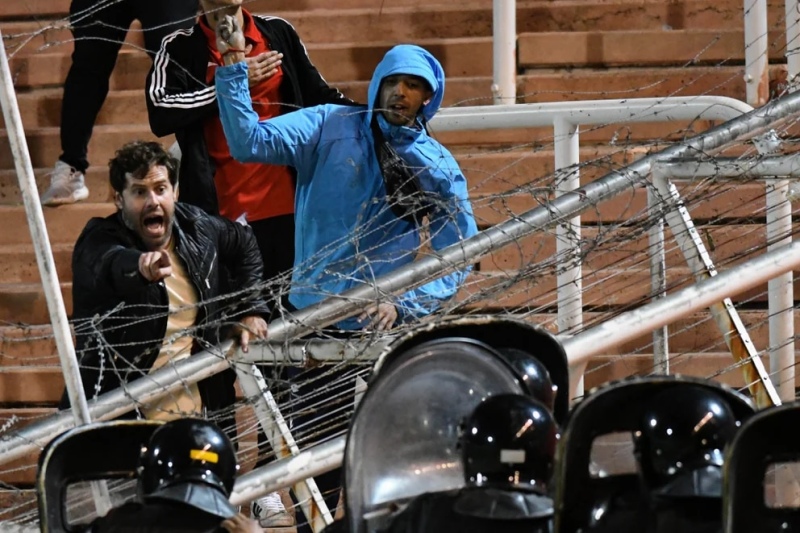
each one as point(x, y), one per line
point(322, 408)
point(98, 38)
point(275, 238)
point(159, 18)
point(98, 33)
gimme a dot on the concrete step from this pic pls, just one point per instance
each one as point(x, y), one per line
point(488, 171)
point(400, 23)
point(96, 180)
point(24, 387)
point(495, 291)
point(627, 248)
point(604, 248)
point(31, 385)
point(22, 9)
point(656, 47)
point(64, 223)
point(494, 201)
point(25, 303)
point(339, 62)
point(491, 210)
point(44, 144)
point(28, 346)
point(41, 109)
point(486, 291)
point(18, 263)
point(717, 365)
point(53, 35)
point(34, 346)
point(413, 22)
point(18, 504)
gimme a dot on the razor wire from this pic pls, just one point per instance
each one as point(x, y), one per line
point(508, 175)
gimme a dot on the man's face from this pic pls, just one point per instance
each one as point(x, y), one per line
point(148, 207)
point(401, 97)
point(216, 10)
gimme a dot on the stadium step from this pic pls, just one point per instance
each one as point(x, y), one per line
point(18, 263)
point(25, 303)
point(25, 387)
point(64, 223)
point(654, 47)
point(45, 147)
point(25, 347)
point(604, 248)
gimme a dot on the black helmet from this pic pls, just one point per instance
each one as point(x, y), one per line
point(509, 441)
point(535, 376)
point(681, 440)
point(192, 461)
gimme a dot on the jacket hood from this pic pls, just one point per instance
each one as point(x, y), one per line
point(412, 60)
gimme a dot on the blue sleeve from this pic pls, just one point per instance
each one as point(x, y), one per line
point(450, 222)
point(283, 140)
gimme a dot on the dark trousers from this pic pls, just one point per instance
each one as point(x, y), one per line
point(275, 238)
point(321, 398)
point(99, 33)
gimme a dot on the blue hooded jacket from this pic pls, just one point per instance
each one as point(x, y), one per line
point(346, 234)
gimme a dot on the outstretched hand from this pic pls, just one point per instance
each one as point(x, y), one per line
point(155, 266)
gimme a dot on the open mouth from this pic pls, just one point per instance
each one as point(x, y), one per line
point(153, 224)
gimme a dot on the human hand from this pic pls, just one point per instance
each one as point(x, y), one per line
point(382, 316)
point(155, 266)
point(230, 40)
point(263, 66)
point(241, 524)
point(251, 326)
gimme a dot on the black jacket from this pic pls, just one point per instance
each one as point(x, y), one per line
point(172, 517)
point(179, 99)
point(121, 318)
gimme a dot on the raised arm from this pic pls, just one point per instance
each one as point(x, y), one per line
point(284, 140)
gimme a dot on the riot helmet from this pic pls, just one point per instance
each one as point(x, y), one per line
point(680, 442)
point(509, 442)
point(534, 375)
point(191, 461)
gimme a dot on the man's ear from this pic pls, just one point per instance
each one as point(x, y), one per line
point(118, 200)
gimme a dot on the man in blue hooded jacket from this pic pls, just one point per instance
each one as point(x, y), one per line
point(349, 230)
point(365, 180)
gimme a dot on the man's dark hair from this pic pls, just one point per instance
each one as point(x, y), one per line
point(137, 158)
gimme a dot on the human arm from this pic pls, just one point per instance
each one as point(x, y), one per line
point(106, 265)
point(285, 140)
point(176, 97)
point(450, 221)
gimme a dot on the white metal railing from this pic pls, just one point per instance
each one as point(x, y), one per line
point(504, 51)
point(205, 364)
point(565, 117)
point(594, 341)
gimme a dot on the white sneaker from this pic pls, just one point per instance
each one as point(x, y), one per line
point(270, 512)
point(66, 186)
